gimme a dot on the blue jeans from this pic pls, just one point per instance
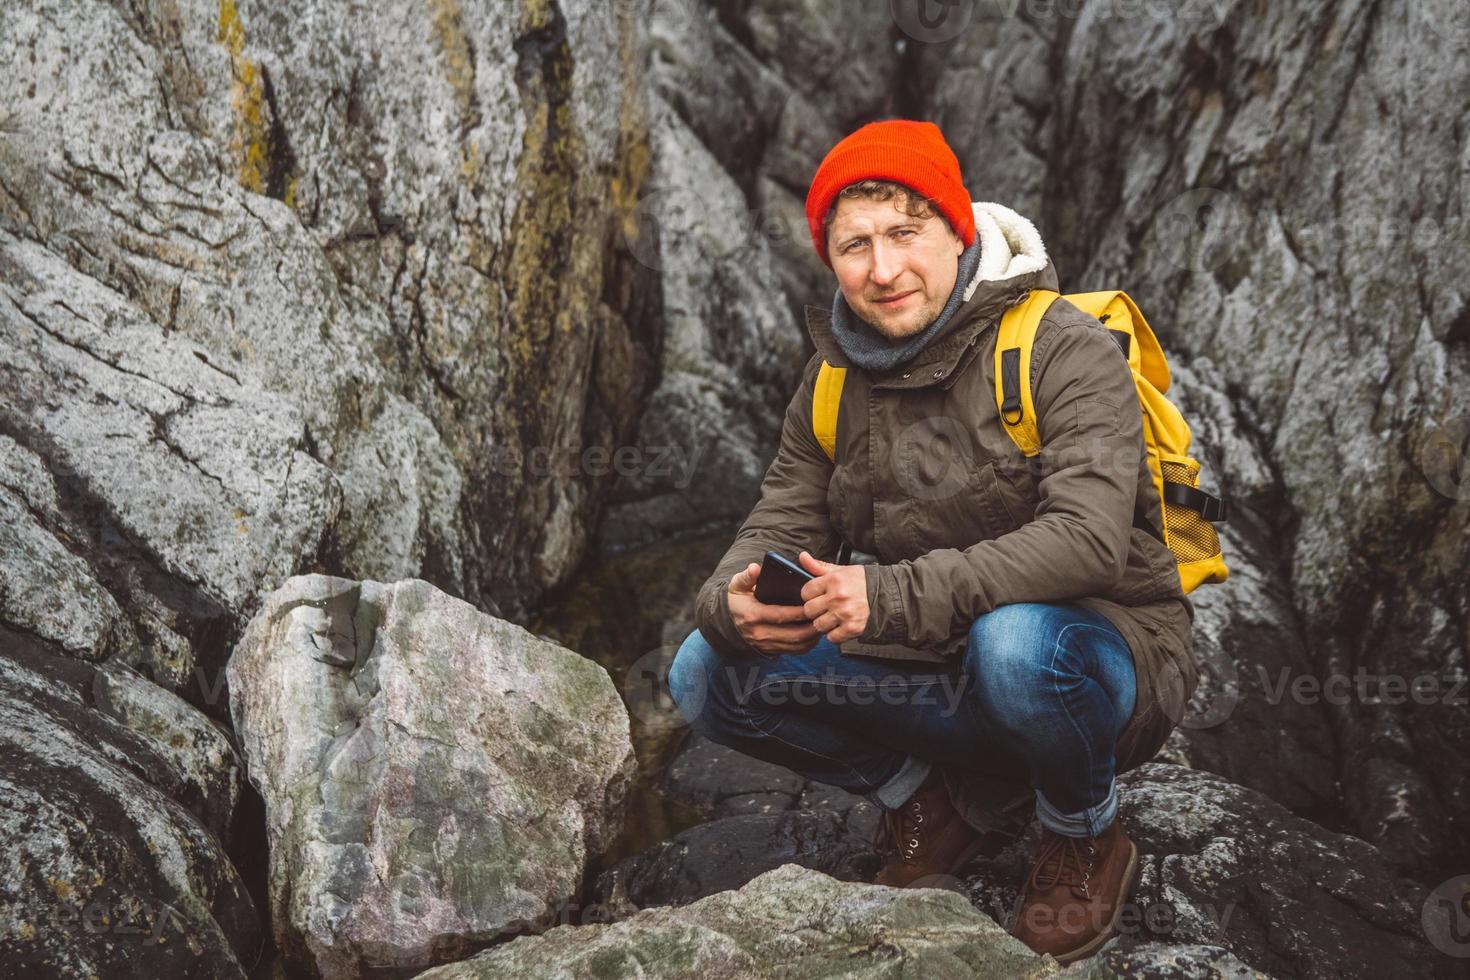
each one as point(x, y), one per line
point(1042, 692)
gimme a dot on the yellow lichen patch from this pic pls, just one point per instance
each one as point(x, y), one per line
point(61, 887)
point(240, 521)
point(251, 143)
point(290, 198)
point(459, 65)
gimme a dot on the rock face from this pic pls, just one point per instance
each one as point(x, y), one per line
point(789, 922)
point(434, 778)
point(722, 226)
point(394, 234)
point(115, 801)
point(1246, 188)
point(287, 287)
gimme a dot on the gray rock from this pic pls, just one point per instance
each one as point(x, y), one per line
point(730, 851)
point(391, 220)
point(434, 778)
point(790, 922)
point(115, 801)
point(1164, 961)
point(1222, 866)
point(722, 226)
point(1246, 189)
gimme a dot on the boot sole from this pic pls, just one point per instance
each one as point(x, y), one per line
point(1130, 873)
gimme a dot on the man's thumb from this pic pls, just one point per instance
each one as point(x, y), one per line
point(814, 565)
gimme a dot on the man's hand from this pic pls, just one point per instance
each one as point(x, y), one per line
point(836, 600)
point(770, 629)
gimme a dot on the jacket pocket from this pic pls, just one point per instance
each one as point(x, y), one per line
point(1016, 491)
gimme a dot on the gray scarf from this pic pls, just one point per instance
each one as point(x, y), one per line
point(870, 350)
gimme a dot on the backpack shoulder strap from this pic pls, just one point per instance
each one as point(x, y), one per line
point(1016, 334)
point(826, 395)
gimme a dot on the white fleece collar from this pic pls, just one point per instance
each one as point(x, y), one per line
point(1010, 245)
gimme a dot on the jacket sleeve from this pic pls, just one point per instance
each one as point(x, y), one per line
point(1076, 544)
point(790, 516)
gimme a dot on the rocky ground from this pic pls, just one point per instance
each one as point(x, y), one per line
point(322, 327)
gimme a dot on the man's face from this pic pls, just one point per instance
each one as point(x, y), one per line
point(896, 272)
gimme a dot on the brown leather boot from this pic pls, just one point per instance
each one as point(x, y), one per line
point(1075, 892)
point(925, 838)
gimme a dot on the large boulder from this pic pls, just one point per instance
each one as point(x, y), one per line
point(434, 778)
point(116, 800)
point(789, 922)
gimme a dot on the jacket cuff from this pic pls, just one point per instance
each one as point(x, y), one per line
point(885, 611)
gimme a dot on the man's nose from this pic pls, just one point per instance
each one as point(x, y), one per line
point(886, 265)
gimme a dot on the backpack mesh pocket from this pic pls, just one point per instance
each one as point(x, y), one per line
point(1190, 536)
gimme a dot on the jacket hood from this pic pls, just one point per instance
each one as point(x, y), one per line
point(1010, 245)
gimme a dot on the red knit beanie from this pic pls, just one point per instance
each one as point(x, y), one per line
point(906, 151)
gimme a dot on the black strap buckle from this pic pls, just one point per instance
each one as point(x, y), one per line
point(1010, 385)
point(1212, 508)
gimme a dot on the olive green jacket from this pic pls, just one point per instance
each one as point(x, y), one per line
point(927, 480)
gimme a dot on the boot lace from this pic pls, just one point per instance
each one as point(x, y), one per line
point(901, 831)
point(1065, 861)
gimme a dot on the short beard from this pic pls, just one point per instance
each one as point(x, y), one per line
point(928, 315)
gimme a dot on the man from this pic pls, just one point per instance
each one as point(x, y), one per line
point(1021, 634)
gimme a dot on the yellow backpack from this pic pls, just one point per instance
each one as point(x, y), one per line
point(1189, 511)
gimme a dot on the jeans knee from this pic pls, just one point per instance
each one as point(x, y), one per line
point(692, 677)
point(1008, 657)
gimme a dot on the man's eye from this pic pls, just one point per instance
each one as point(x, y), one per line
point(854, 244)
point(905, 231)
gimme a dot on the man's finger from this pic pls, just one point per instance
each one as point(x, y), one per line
point(767, 613)
point(744, 580)
point(813, 608)
point(785, 634)
point(814, 565)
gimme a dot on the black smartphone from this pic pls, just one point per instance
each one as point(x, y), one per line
point(780, 581)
